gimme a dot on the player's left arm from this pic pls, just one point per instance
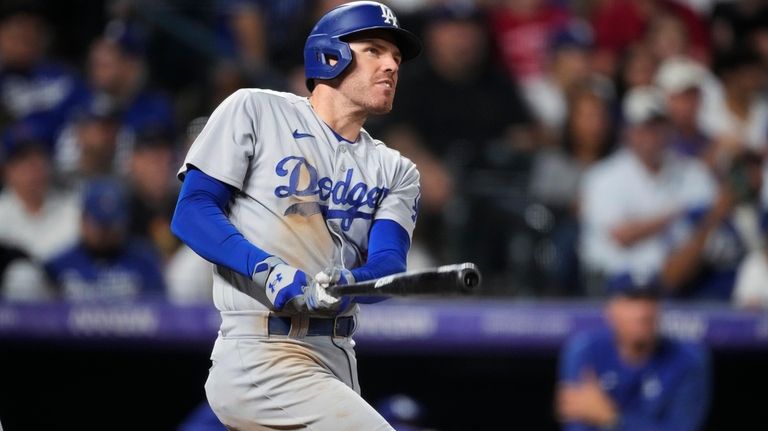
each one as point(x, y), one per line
point(390, 236)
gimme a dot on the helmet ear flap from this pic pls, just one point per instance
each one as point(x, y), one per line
point(319, 50)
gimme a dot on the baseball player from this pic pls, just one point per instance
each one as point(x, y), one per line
point(288, 196)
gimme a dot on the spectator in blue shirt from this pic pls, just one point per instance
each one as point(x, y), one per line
point(107, 264)
point(629, 377)
point(118, 77)
point(37, 94)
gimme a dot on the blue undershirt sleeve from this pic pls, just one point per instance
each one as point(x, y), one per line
point(388, 245)
point(201, 222)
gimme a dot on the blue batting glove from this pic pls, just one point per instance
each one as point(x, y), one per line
point(284, 284)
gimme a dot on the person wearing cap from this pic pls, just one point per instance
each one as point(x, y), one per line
point(106, 264)
point(117, 82)
point(92, 150)
point(628, 376)
point(630, 201)
point(684, 82)
point(38, 94)
point(568, 66)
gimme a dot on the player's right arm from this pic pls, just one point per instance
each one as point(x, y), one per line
point(200, 221)
point(214, 169)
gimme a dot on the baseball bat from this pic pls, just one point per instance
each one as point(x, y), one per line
point(462, 278)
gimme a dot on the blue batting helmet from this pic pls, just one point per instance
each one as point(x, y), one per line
point(327, 38)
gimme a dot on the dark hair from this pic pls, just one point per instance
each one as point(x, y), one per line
point(735, 59)
point(588, 90)
point(21, 149)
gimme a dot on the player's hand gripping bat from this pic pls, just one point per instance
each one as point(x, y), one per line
point(462, 278)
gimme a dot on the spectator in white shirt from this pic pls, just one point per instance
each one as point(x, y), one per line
point(34, 216)
point(738, 117)
point(631, 200)
point(36, 220)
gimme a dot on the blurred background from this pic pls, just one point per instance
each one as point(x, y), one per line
point(561, 144)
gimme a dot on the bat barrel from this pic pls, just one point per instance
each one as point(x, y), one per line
point(446, 280)
point(468, 277)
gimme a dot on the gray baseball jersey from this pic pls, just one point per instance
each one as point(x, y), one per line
point(310, 198)
point(305, 195)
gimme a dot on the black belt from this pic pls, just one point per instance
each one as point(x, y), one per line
point(337, 327)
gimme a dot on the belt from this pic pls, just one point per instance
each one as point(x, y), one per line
point(336, 327)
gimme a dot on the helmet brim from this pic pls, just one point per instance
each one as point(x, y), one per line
point(409, 45)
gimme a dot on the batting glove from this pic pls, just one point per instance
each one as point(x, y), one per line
point(282, 282)
point(317, 297)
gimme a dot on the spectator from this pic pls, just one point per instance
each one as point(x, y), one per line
point(244, 41)
point(666, 37)
point(444, 140)
point(637, 68)
point(738, 118)
point(117, 77)
point(21, 277)
point(94, 148)
point(751, 290)
point(734, 22)
point(557, 173)
point(587, 138)
point(628, 376)
point(189, 277)
point(568, 66)
point(684, 83)
point(630, 200)
point(37, 94)
point(522, 30)
point(620, 24)
point(153, 191)
point(35, 216)
point(107, 263)
point(705, 265)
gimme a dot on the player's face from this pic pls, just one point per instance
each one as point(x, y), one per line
point(634, 321)
point(372, 79)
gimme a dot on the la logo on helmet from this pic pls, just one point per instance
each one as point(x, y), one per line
point(388, 15)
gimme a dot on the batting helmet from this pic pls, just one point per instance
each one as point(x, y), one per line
point(327, 38)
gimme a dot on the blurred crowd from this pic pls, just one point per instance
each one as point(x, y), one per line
point(560, 142)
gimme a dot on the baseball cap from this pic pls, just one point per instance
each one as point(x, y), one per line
point(20, 149)
point(644, 104)
point(104, 202)
point(577, 34)
point(128, 37)
point(678, 74)
point(154, 136)
point(452, 12)
point(626, 284)
point(18, 135)
point(99, 107)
